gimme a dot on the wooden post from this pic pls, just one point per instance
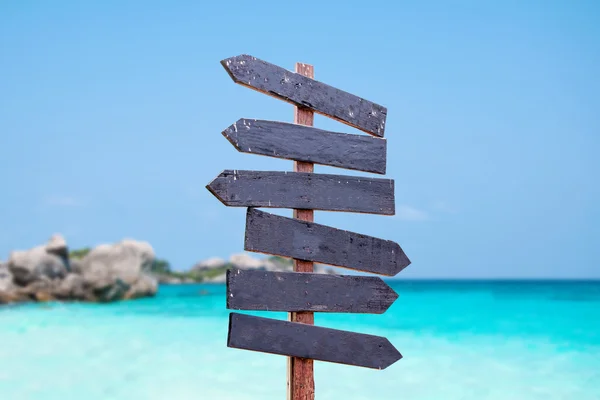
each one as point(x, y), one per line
point(301, 381)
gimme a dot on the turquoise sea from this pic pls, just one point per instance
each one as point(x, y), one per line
point(460, 340)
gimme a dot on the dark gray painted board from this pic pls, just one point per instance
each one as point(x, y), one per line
point(303, 190)
point(307, 341)
point(296, 291)
point(303, 143)
point(289, 237)
point(306, 92)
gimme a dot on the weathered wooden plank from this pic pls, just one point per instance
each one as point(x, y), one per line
point(301, 190)
point(308, 93)
point(302, 143)
point(288, 237)
point(311, 342)
point(294, 291)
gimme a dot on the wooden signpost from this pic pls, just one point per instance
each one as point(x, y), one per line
point(302, 292)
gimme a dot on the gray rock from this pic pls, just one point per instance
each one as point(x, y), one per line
point(117, 290)
point(246, 261)
point(145, 286)
point(169, 280)
point(217, 279)
point(75, 265)
point(124, 261)
point(72, 288)
point(323, 269)
point(115, 271)
point(7, 287)
point(211, 263)
point(107, 273)
point(6, 278)
point(57, 245)
point(28, 266)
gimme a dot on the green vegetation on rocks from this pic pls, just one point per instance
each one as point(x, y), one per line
point(79, 253)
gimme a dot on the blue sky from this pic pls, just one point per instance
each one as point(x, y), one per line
point(111, 113)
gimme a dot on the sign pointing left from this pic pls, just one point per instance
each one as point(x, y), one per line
point(305, 143)
point(302, 190)
point(307, 93)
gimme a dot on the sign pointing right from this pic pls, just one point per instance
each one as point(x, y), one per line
point(309, 341)
point(262, 291)
point(290, 237)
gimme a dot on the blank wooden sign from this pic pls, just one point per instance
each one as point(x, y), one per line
point(306, 92)
point(308, 341)
point(302, 190)
point(303, 143)
point(289, 237)
point(295, 291)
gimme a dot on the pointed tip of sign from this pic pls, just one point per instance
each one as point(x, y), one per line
point(234, 65)
point(400, 261)
point(392, 355)
point(228, 64)
point(231, 132)
point(386, 295)
point(391, 299)
point(216, 188)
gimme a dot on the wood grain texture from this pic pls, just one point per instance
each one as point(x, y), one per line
point(288, 237)
point(310, 342)
point(301, 190)
point(293, 291)
point(308, 93)
point(301, 377)
point(307, 144)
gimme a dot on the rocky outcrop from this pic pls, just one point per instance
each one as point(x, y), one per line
point(211, 263)
point(6, 278)
point(107, 273)
point(173, 280)
point(115, 271)
point(36, 264)
point(214, 270)
point(6, 284)
point(246, 261)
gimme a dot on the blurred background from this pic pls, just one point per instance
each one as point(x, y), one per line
point(110, 127)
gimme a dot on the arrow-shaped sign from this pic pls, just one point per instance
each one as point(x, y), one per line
point(301, 190)
point(306, 92)
point(289, 237)
point(308, 144)
point(307, 341)
point(293, 291)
